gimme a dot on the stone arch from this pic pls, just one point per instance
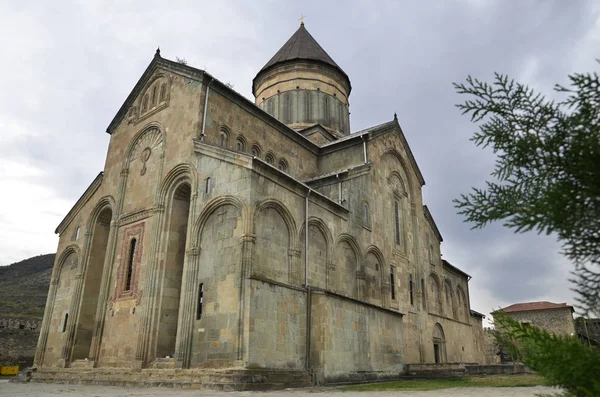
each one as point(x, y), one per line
point(403, 167)
point(374, 268)
point(208, 211)
point(434, 294)
point(449, 298)
point(99, 229)
point(155, 93)
point(274, 246)
point(270, 158)
point(151, 135)
point(283, 164)
point(397, 182)
point(71, 249)
point(347, 262)
point(463, 309)
point(59, 316)
point(283, 211)
point(101, 205)
point(224, 136)
point(177, 175)
point(439, 344)
point(173, 243)
point(320, 242)
point(241, 144)
point(214, 263)
point(255, 150)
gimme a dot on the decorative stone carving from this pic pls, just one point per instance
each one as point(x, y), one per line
point(144, 157)
point(133, 232)
point(145, 145)
point(135, 216)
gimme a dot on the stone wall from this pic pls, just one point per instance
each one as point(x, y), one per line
point(558, 321)
point(351, 341)
point(18, 339)
point(490, 347)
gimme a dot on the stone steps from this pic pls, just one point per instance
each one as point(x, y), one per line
point(227, 380)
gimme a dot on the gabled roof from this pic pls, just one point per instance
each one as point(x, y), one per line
point(529, 306)
point(373, 131)
point(302, 46)
point(89, 192)
point(450, 266)
point(432, 223)
point(216, 85)
point(319, 129)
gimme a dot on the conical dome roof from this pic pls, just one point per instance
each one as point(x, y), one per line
point(301, 46)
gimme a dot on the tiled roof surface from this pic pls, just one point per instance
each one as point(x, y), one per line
point(528, 306)
point(301, 46)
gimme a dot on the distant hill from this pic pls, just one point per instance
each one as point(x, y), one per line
point(24, 287)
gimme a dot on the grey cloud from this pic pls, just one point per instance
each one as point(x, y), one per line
point(75, 63)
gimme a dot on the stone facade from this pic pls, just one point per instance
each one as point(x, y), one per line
point(190, 250)
point(556, 321)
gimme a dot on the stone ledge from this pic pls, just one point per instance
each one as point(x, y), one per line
point(226, 380)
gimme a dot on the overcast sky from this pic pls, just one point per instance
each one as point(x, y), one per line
point(68, 66)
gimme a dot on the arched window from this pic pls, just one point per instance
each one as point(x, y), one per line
point(145, 103)
point(154, 96)
point(431, 255)
point(423, 294)
point(341, 116)
point(130, 260)
point(240, 146)
point(326, 106)
point(282, 165)
point(269, 158)
point(397, 222)
point(64, 328)
point(392, 283)
point(366, 216)
point(308, 107)
point(410, 289)
point(255, 151)
point(163, 92)
point(200, 301)
point(76, 234)
point(223, 137)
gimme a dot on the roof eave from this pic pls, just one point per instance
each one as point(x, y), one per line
point(445, 263)
point(429, 218)
point(87, 194)
point(290, 61)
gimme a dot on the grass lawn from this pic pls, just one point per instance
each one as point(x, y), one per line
point(469, 381)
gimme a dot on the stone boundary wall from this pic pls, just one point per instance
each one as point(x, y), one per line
point(490, 347)
point(499, 369)
point(18, 340)
point(445, 370)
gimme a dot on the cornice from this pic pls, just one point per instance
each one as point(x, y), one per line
point(431, 222)
point(89, 192)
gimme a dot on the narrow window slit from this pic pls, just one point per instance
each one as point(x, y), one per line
point(130, 265)
point(200, 300)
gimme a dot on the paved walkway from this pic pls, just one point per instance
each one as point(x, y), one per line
point(53, 390)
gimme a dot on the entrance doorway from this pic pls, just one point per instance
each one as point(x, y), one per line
point(439, 344)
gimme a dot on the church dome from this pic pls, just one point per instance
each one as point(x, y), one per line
point(301, 85)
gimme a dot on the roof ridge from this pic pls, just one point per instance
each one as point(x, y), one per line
point(301, 45)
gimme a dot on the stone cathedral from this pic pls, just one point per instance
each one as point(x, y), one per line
point(237, 244)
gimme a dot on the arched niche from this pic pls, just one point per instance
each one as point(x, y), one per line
point(319, 246)
point(274, 228)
